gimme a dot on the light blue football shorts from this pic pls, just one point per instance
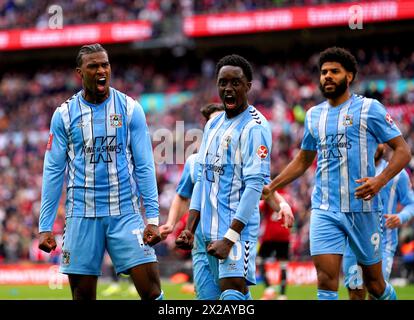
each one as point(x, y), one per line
point(353, 273)
point(240, 263)
point(329, 231)
point(205, 284)
point(86, 239)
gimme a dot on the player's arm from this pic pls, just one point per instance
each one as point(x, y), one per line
point(52, 182)
point(255, 146)
point(181, 201)
point(386, 131)
point(179, 207)
point(400, 158)
point(249, 200)
point(144, 170)
point(186, 238)
point(297, 167)
point(406, 198)
point(282, 208)
point(300, 163)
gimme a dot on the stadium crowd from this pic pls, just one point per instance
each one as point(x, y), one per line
point(34, 14)
point(282, 90)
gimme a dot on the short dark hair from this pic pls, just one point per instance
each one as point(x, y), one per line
point(210, 108)
point(88, 49)
point(340, 55)
point(236, 61)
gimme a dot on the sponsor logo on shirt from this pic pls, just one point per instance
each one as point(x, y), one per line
point(102, 149)
point(332, 144)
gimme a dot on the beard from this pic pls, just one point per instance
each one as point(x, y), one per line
point(340, 89)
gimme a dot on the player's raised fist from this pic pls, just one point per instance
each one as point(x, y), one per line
point(151, 235)
point(185, 240)
point(47, 242)
point(220, 249)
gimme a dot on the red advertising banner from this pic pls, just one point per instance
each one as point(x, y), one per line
point(75, 35)
point(32, 274)
point(297, 18)
point(298, 273)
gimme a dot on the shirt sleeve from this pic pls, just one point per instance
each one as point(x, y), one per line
point(255, 147)
point(195, 203)
point(380, 123)
point(185, 186)
point(249, 199)
point(405, 197)
point(308, 141)
point(196, 197)
point(54, 167)
point(143, 160)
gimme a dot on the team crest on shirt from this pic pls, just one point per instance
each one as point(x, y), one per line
point(388, 118)
point(115, 120)
point(262, 152)
point(65, 257)
point(348, 120)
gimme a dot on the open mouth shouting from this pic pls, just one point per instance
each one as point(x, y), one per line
point(101, 84)
point(230, 101)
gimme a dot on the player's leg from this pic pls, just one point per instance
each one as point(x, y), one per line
point(265, 252)
point(82, 255)
point(205, 283)
point(233, 288)
point(238, 271)
point(327, 270)
point(146, 279)
point(282, 255)
point(131, 256)
point(327, 244)
point(373, 279)
point(389, 247)
point(364, 234)
point(83, 287)
point(353, 275)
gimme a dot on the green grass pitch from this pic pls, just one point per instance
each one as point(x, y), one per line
point(171, 291)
